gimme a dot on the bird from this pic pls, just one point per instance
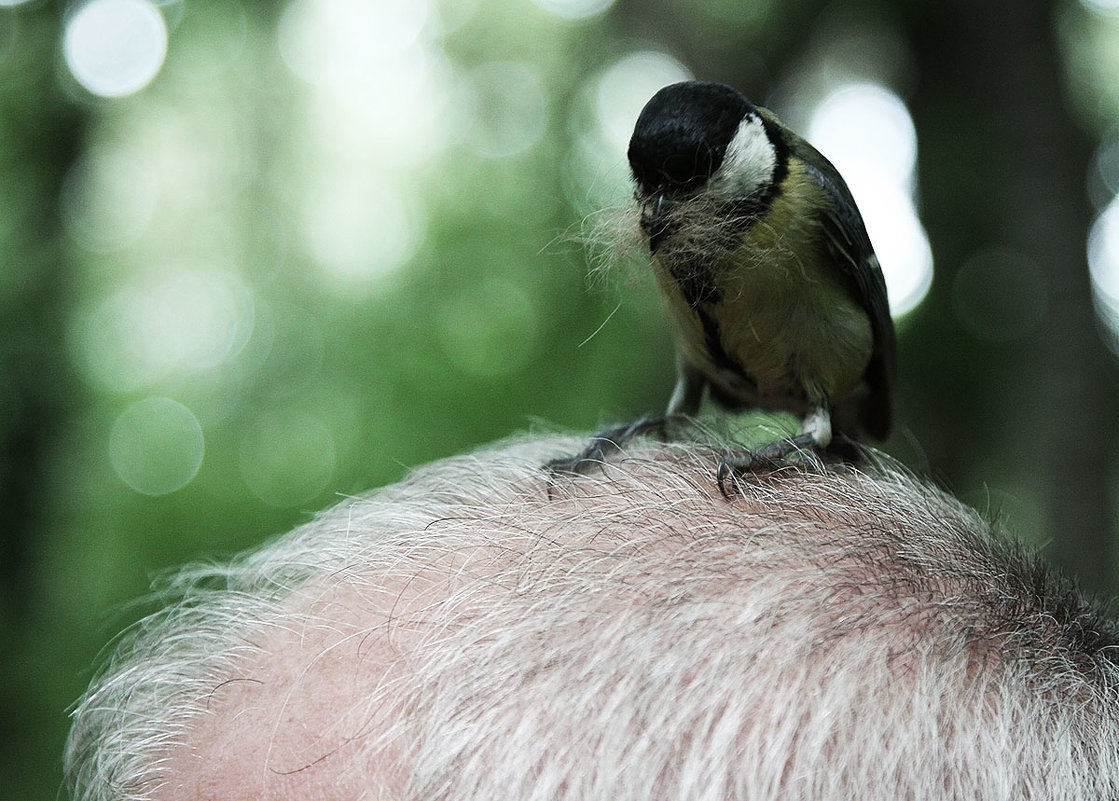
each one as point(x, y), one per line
point(772, 287)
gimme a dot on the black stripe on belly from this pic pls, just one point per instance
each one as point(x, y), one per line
point(697, 284)
point(713, 342)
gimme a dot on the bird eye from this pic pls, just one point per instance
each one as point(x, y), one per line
point(674, 158)
point(687, 169)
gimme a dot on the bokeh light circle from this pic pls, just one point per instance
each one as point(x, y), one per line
point(866, 131)
point(115, 48)
point(181, 321)
point(156, 446)
point(625, 87)
point(287, 457)
point(862, 124)
point(1105, 8)
point(1103, 264)
point(574, 9)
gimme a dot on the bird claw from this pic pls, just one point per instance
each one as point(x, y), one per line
point(605, 443)
point(766, 458)
point(730, 466)
point(581, 463)
point(611, 441)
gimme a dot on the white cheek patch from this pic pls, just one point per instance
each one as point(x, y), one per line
point(749, 163)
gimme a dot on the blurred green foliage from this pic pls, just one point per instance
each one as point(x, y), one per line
point(332, 240)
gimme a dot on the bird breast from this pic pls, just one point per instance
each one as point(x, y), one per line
point(778, 320)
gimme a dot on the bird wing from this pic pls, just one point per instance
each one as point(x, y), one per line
point(850, 246)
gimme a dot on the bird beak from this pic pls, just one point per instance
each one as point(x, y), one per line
point(655, 212)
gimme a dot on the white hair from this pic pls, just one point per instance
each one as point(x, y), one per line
point(485, 631)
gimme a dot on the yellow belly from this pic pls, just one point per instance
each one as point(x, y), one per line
point(788, 325)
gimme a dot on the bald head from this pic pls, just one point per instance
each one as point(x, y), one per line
point(479, 632)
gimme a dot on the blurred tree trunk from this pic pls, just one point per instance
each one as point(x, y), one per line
point(39, 140)
point(37, 386)
point(1004, 164)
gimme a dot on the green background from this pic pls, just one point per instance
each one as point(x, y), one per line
point(259, 284)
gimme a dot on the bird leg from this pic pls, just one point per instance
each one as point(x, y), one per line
point(815, 434)
point(609, 442)
point(683, 405)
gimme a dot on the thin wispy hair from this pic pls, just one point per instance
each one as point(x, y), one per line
point(705, 228)
point(614, 243)
point(830, 633)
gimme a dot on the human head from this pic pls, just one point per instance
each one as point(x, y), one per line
point(483, 630)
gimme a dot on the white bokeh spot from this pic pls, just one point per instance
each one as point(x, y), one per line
point(865, 130)
point(115, 48)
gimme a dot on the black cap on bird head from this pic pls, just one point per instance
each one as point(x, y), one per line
point(682, 134)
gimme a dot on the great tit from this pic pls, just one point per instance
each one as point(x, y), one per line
point(770, 281)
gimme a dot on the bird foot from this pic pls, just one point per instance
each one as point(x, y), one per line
point(766, 458)
point(608, 442)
